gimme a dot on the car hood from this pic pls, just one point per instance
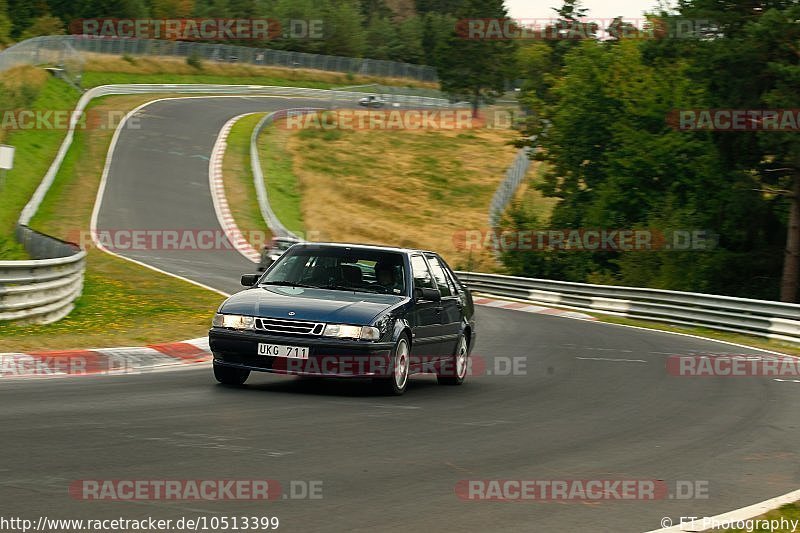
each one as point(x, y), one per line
point(315, 305)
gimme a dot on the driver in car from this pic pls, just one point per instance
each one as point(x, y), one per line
point(386, 278)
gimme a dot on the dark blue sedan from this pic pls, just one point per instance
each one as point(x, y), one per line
point(341, 310)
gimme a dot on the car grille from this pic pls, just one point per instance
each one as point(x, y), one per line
point(280, 326)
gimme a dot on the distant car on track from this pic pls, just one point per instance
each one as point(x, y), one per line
point(372, 101)
point(341, 310)
point(274, 250)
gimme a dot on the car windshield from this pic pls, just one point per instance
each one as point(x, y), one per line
point(339, 268)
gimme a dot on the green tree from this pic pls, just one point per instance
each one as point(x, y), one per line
point(5, 24)
point(22, 13)
point(406, 42)
point(44, 25)
point(761, 39)
point(615, 163)
point(379, 33)
point(620, 29)
point(436, 30)
point(343, 29)
point(476, 70)
point(778, 33)
point(287, 11)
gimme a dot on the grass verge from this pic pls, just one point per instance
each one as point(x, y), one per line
point(283, 188)
point(239, 188)
point(33, 89)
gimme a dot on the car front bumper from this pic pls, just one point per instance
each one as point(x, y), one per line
point(327, 357)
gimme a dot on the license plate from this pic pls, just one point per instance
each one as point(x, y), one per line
point(280, 350)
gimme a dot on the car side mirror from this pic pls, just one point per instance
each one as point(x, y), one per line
point(428, 294)
point(248, 280)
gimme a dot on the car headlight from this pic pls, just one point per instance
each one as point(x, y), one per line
point(233, 321)
point(343, 331)
point(368, 333)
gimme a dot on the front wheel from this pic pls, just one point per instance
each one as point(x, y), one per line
point(399, 369)
point(455, 368)
point(230, 376)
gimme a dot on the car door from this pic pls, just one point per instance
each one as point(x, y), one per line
point(426, 317)
point(450, 317)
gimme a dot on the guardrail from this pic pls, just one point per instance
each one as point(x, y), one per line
point(42, 290)
point(273, 222)
point(764, 318)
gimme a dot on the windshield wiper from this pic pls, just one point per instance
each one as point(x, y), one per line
point(288, 284)
point(338, 288)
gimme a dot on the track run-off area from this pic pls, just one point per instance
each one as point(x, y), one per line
point(593, 402)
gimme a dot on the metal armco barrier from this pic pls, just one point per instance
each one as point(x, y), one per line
point(275, 225)
point(44, 289)
point(774, 320)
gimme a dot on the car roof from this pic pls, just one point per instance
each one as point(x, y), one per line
point(366, 247)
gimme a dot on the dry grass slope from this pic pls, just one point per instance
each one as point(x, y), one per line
point(405, 188)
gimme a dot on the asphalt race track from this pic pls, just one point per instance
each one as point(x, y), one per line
point(594, 402)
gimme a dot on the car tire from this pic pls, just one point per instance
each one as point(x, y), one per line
point(399, 369)
point(228, 375)
point(455, 368)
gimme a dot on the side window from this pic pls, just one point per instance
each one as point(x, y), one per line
point(459, 288)
point(422, 276)
point(442, 281)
